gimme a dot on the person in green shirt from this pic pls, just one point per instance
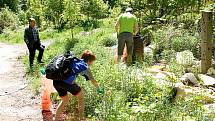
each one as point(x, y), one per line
point(126, 27)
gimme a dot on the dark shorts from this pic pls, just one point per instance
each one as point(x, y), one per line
point(125, 38)
point(62, 88)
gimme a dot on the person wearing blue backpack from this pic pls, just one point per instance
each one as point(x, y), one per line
point(69, 85)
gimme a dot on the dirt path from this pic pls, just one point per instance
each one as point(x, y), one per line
point(17, 101)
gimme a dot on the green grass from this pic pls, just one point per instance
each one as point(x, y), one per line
point(12, 36)
point(17, 36)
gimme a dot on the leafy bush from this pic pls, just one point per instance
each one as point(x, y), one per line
point(186, 42)
point(147, 35)
point(108, 40)
point(167, 55)
point(96, 9)
point(11, 4)
point(89, 24)
point(115, 12)
point(10, 36)
point(70, 43)
point(7, 19)
point(171, 38)
point(22, 17)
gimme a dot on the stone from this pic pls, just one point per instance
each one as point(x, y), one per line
point(208, 96)
point(189, 79)
point(211, 71)
point(207, 80)
point(185, 58)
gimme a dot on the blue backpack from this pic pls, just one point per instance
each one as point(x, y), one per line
point(77, 66)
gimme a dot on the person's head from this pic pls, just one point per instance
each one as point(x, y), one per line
point(32, 22)
point(88, 57)
point(129, 10)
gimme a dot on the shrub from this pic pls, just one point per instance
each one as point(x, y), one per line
point(167, 55)
point(171, 38)
point(147, 34)
point(70, 43)
point(108, 40)
point(10, 36)
point(90, 24)
point(22, 17)
point(7, 19)
point(96, 9)
point(186, 42)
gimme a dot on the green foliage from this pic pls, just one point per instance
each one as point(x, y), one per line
point(90, 24)
point(10, 36)
point(72, 12)
point(96, 9)
point(70, 43)
point(7, 19)
point(12, 4)
point(108, 40)
point(186, 42)
point(93, 10)
point(35, 10)
point(147, 35)
point(115, 12)
point(177, 39)
point(167, 55)
point(22, 17)
point(54, 12)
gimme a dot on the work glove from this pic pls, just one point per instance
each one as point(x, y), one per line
point(43, 71)
point(100, 90)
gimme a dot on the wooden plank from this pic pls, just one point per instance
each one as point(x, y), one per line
point(206, 40)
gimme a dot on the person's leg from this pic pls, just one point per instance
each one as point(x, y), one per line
point(58, 85)
point(130, 45)
point(65, 100)
point(80, 97)
point(31, 56)
point(40, 55)
point(121, 45)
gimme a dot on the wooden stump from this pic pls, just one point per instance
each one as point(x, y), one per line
point(138, 51)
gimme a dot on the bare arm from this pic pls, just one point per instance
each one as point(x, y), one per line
point(117, 26)
point(136, 28)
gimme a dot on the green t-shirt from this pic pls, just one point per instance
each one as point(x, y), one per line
point(127, 22)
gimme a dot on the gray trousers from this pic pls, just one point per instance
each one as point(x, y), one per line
point(126, 38)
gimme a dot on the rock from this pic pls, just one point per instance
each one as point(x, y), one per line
point(211, 71)
point(189, 79)
point(148, 51)
point(160, 76)
point(208, 96)
point(179, 84)
point(156, 69)
point(85, 33)
point(207, 80)
point(185, 58)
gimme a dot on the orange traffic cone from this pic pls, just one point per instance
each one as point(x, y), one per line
point(46, 100)
point(46, 92)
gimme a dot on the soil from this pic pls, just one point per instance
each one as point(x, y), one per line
point(17, 100)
